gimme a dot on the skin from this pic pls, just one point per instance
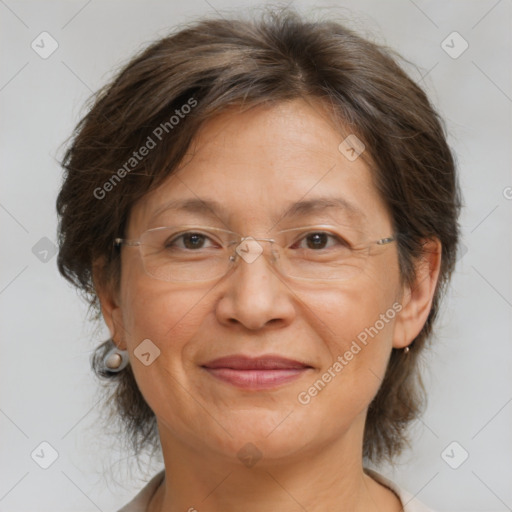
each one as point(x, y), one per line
point(256, 163)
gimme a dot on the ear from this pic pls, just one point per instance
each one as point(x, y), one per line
point(417, 298)
point(109, 302)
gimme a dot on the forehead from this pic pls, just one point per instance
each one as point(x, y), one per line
point(263, 165)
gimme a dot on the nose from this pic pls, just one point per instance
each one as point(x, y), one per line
point(254, 293)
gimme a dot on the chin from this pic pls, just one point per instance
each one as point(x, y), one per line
point(262, 436)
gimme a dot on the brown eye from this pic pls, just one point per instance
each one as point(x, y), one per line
point(320, 240)
point(188, 241)
point(317, 240)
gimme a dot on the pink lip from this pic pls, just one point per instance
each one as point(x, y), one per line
point(263, 372)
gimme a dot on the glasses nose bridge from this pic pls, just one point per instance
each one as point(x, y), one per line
point(248, 249)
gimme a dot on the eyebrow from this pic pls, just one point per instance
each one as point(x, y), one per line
point(212, 208)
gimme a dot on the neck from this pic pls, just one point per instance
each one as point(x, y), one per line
point(328, 479)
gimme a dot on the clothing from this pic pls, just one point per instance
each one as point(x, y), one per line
point(409, 503)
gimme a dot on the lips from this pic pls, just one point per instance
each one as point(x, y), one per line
point(256, 373)
point(267, 362)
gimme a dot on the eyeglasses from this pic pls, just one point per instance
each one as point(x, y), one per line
point(200, 253)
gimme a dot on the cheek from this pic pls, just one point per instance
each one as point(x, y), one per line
point(149, 307)
point(169, 317)
point(358, 316)
point(161, 312)
point(356, 325)
point(168, 314)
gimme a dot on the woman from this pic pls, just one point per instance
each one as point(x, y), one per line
point(266, 214)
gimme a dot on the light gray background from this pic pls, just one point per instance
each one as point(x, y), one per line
point(47, 392)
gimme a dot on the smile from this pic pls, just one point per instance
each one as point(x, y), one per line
point(258, 373)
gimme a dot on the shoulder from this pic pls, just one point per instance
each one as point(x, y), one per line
point(409, 502)
point(141, 500)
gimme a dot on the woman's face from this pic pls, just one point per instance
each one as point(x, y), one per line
point(255, 165)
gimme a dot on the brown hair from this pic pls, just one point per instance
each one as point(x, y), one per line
point(217, 63)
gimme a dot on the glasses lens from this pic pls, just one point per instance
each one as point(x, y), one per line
point(184, 253)
point(195, 253)
point(319, 254)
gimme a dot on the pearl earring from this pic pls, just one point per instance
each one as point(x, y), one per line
point(116, 360)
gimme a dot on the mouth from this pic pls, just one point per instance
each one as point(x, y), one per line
point(256, 373)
